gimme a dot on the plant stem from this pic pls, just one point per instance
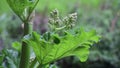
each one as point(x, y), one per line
point(25, 52)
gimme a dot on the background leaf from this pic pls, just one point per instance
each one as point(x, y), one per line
point(17, 46)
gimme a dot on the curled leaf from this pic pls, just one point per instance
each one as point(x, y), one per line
point(22, 8)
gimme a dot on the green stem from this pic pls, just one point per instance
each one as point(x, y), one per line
point(25, 52)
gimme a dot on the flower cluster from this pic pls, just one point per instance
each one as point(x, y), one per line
point(55, 23)
point(70, 20)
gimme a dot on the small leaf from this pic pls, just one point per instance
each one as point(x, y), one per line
point(47, 36)
point(17, 46)
point(56, 39)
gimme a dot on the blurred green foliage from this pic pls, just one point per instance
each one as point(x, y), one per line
point(101, 15)
point(3, 7)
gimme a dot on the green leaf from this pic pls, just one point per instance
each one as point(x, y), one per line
point(1, 67)
point(23, 8)
point(1, 59)
point(11, 58)
point(59, 47)
point(17, 46)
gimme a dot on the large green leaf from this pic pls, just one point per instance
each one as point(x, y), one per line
point(69, 45)
point(23, 8)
